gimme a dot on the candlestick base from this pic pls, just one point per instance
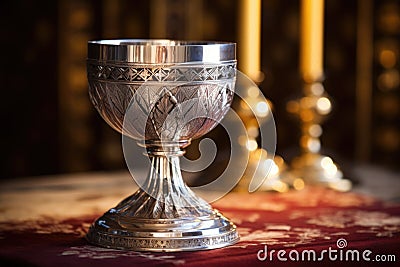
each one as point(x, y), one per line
point(263, 167)
point(320, 170)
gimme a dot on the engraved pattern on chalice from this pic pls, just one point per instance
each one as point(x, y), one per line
point(162, 93)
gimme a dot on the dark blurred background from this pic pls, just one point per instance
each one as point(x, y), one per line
point(49, 126)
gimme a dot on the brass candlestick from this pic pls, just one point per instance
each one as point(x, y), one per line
point(310, 166)
point(254, 108)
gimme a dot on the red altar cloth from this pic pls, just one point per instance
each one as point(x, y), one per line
point(314, 219)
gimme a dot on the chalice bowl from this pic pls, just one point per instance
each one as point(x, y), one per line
point(162, 94)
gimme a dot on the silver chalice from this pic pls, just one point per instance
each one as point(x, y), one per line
point(162, 93)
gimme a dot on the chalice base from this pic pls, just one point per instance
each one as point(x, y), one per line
point(319, 170)
point(113, 230)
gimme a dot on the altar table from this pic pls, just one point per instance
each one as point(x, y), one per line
point(43, 221)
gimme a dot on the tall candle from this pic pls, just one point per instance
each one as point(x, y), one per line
point(250, 38)
point(311, 53)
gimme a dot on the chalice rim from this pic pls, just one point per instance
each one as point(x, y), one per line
point(161, 51)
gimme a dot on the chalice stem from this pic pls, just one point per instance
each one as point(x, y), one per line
point(165, 194)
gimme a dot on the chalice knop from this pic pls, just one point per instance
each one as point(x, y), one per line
point(162, 93)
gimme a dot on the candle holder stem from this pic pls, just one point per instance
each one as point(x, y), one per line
point(254, 110)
